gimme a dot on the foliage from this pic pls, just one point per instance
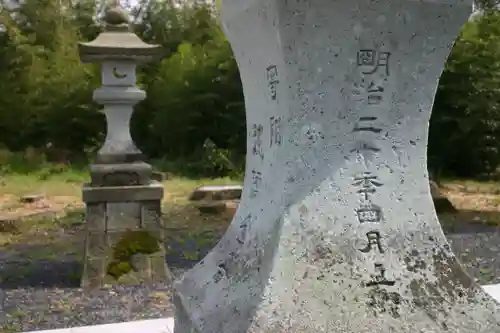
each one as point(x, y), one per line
point(465, 130)
point(194, 114)
point(132, 243)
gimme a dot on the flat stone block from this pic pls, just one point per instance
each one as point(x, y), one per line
point(225, 208)
point(133, 235)
point(123, 215)
point(216, 193)
point(31, 198)
point(138, 173)
point(211, 207)
point(153, 191)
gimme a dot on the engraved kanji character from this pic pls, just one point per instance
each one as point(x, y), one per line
point(380, 278)
point(275, 132)
point(256, 182)
point(244, 229)
point(374, 59)
point(374, 99)
point(369, 213)
point(374, 239)
point(272, 79)
point(360, 127)
point(373, 88)
point(257, 130)
point(367, 57)
point(369, 184)
point(365, 151)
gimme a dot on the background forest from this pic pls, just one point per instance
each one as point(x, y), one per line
point(193, 121)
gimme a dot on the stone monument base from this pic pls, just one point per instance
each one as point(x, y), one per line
point(120, 174)
point(124, 236)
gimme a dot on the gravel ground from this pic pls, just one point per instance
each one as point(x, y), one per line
point(49, 297)
point(478, 252)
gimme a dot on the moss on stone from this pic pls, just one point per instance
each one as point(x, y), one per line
point(132, 242)
point(118, 268)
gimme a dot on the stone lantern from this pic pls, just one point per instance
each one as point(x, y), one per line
point(123, 205)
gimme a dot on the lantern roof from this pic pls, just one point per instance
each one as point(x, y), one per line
point(117, 42)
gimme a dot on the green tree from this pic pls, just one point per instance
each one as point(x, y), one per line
point(49, 94)
point(464, 131)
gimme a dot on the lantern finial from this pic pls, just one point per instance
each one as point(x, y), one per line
point(115, 15)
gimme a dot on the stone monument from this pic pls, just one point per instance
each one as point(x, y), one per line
point(336, 230)
point(123, 225)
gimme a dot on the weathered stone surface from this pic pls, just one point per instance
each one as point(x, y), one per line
point(120, 174)
point(152, 191)
point(124, 240)
point(336, 230)
point(217, 192)
point(123, 215)
point(160, 176)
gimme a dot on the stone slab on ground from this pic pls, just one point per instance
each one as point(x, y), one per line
point(30, 198)
point(216, 193)
point(227, 208)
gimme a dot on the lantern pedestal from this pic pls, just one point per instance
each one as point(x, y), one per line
point(124, 236)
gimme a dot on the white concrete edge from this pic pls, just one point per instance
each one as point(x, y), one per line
point(493, 290)
point(166, 325)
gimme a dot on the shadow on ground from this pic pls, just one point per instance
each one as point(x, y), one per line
point(47, 253)
point(470, 222)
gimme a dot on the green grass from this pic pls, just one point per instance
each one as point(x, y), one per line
point(70, 181)
point(473, 186)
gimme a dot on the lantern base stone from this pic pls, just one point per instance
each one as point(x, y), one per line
point(138, 173)
point(124, 236)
